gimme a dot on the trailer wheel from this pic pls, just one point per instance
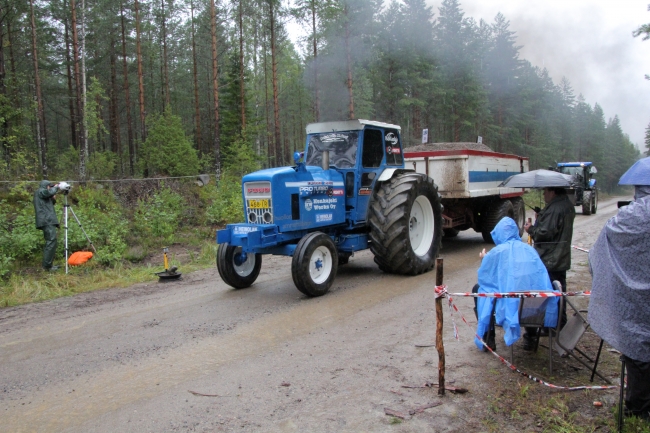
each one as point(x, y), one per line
point(494, 214)
point(314, 264)
point(520, 213)
point(586, 203)
point(234, 270)
point(406, 224)
point(594, 203)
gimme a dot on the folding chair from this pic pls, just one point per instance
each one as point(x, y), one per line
point(570, 335)
point(532, 312)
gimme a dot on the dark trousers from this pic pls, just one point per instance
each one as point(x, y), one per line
point(49, 233)
point(637, 394)
point(490, 335)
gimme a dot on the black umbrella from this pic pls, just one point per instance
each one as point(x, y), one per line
point(539, 179)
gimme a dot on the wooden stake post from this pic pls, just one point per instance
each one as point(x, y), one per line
point(439, 344)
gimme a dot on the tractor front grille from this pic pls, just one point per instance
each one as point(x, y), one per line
point(259, 207)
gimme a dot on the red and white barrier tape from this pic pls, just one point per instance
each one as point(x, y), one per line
point(521, 294)
point(580, 249)
point(441, 291)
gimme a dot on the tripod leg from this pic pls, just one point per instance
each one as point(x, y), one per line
point(82, 229)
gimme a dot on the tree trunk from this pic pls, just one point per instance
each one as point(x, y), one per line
point(349, 62)
point(143, 131)
point(215, 89)
point(242, 94)
point(77, 81)
point(197, 112)
point(316, 90)
point(166, 99)
point(270, 145)
point(274, 78)
point(113, 103)
point(127, 97)
point(71, 106)
point(42, 143)
point(84, 119)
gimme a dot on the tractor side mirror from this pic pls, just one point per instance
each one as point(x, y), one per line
point(593, 170)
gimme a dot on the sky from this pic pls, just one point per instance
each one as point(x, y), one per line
point(587, 41)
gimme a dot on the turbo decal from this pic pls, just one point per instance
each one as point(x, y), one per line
point(308, 205)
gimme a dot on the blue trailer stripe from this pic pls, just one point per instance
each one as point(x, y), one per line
point(490, 176)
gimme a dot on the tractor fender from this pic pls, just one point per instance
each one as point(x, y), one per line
point(388, 173)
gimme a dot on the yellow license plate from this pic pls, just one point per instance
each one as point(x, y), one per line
point(258, 204)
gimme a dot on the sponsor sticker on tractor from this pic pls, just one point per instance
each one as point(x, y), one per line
point(323, 217)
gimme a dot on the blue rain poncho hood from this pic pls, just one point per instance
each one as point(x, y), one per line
point(511, 266)
point(619, 309)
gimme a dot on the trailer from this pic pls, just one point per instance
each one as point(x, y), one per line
point(468, 182)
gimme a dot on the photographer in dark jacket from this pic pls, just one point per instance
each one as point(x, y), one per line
point(552, 235)
point(46, 220)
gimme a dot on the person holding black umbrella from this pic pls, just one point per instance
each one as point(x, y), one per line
point(552, 234)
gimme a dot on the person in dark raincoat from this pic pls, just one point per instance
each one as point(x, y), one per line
point(46, 220)
point(552, 234)
point(619, 308)
point(511, 266)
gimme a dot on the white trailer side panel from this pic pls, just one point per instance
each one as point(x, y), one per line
point(468, 173)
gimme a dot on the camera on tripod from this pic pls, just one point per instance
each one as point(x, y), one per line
point(64, 187)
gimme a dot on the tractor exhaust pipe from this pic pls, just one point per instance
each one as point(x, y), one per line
point(325, 163)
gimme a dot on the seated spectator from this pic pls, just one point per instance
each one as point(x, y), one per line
point(619, 309)
point(511, 266)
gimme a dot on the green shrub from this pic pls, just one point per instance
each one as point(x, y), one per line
point(102, 218)
point(227, 205)
point(159, 216)
point(167, 151)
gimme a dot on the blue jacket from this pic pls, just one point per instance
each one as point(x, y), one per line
point(511, 266)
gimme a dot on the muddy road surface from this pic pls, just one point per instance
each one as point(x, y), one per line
point(197, 355)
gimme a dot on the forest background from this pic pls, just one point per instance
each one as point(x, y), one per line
point(105, 91)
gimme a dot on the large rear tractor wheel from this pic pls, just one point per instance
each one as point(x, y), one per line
point(406, 224)
point(520, 213)
point(494, 213)
point(237, 269)
point(586, 203)
point(314, 264)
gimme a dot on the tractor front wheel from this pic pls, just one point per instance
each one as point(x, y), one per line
point(236, 268)
point(314, 264)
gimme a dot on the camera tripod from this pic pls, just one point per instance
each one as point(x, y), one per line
point(67, 207)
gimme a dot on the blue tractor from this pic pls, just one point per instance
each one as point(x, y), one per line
point(348, 191)
point(586, 192)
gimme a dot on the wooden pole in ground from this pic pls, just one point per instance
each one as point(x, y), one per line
point(439, 344)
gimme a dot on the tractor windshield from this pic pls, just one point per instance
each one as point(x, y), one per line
point(573, 171)
point(342, 147)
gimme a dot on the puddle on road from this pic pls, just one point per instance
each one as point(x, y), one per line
point(56, 409)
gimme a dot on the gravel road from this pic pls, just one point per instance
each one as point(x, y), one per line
point(196, 355)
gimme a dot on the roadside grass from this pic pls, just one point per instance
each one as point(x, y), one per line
point(34, 286)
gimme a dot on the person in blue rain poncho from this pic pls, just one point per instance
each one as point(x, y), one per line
point(511, 266)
